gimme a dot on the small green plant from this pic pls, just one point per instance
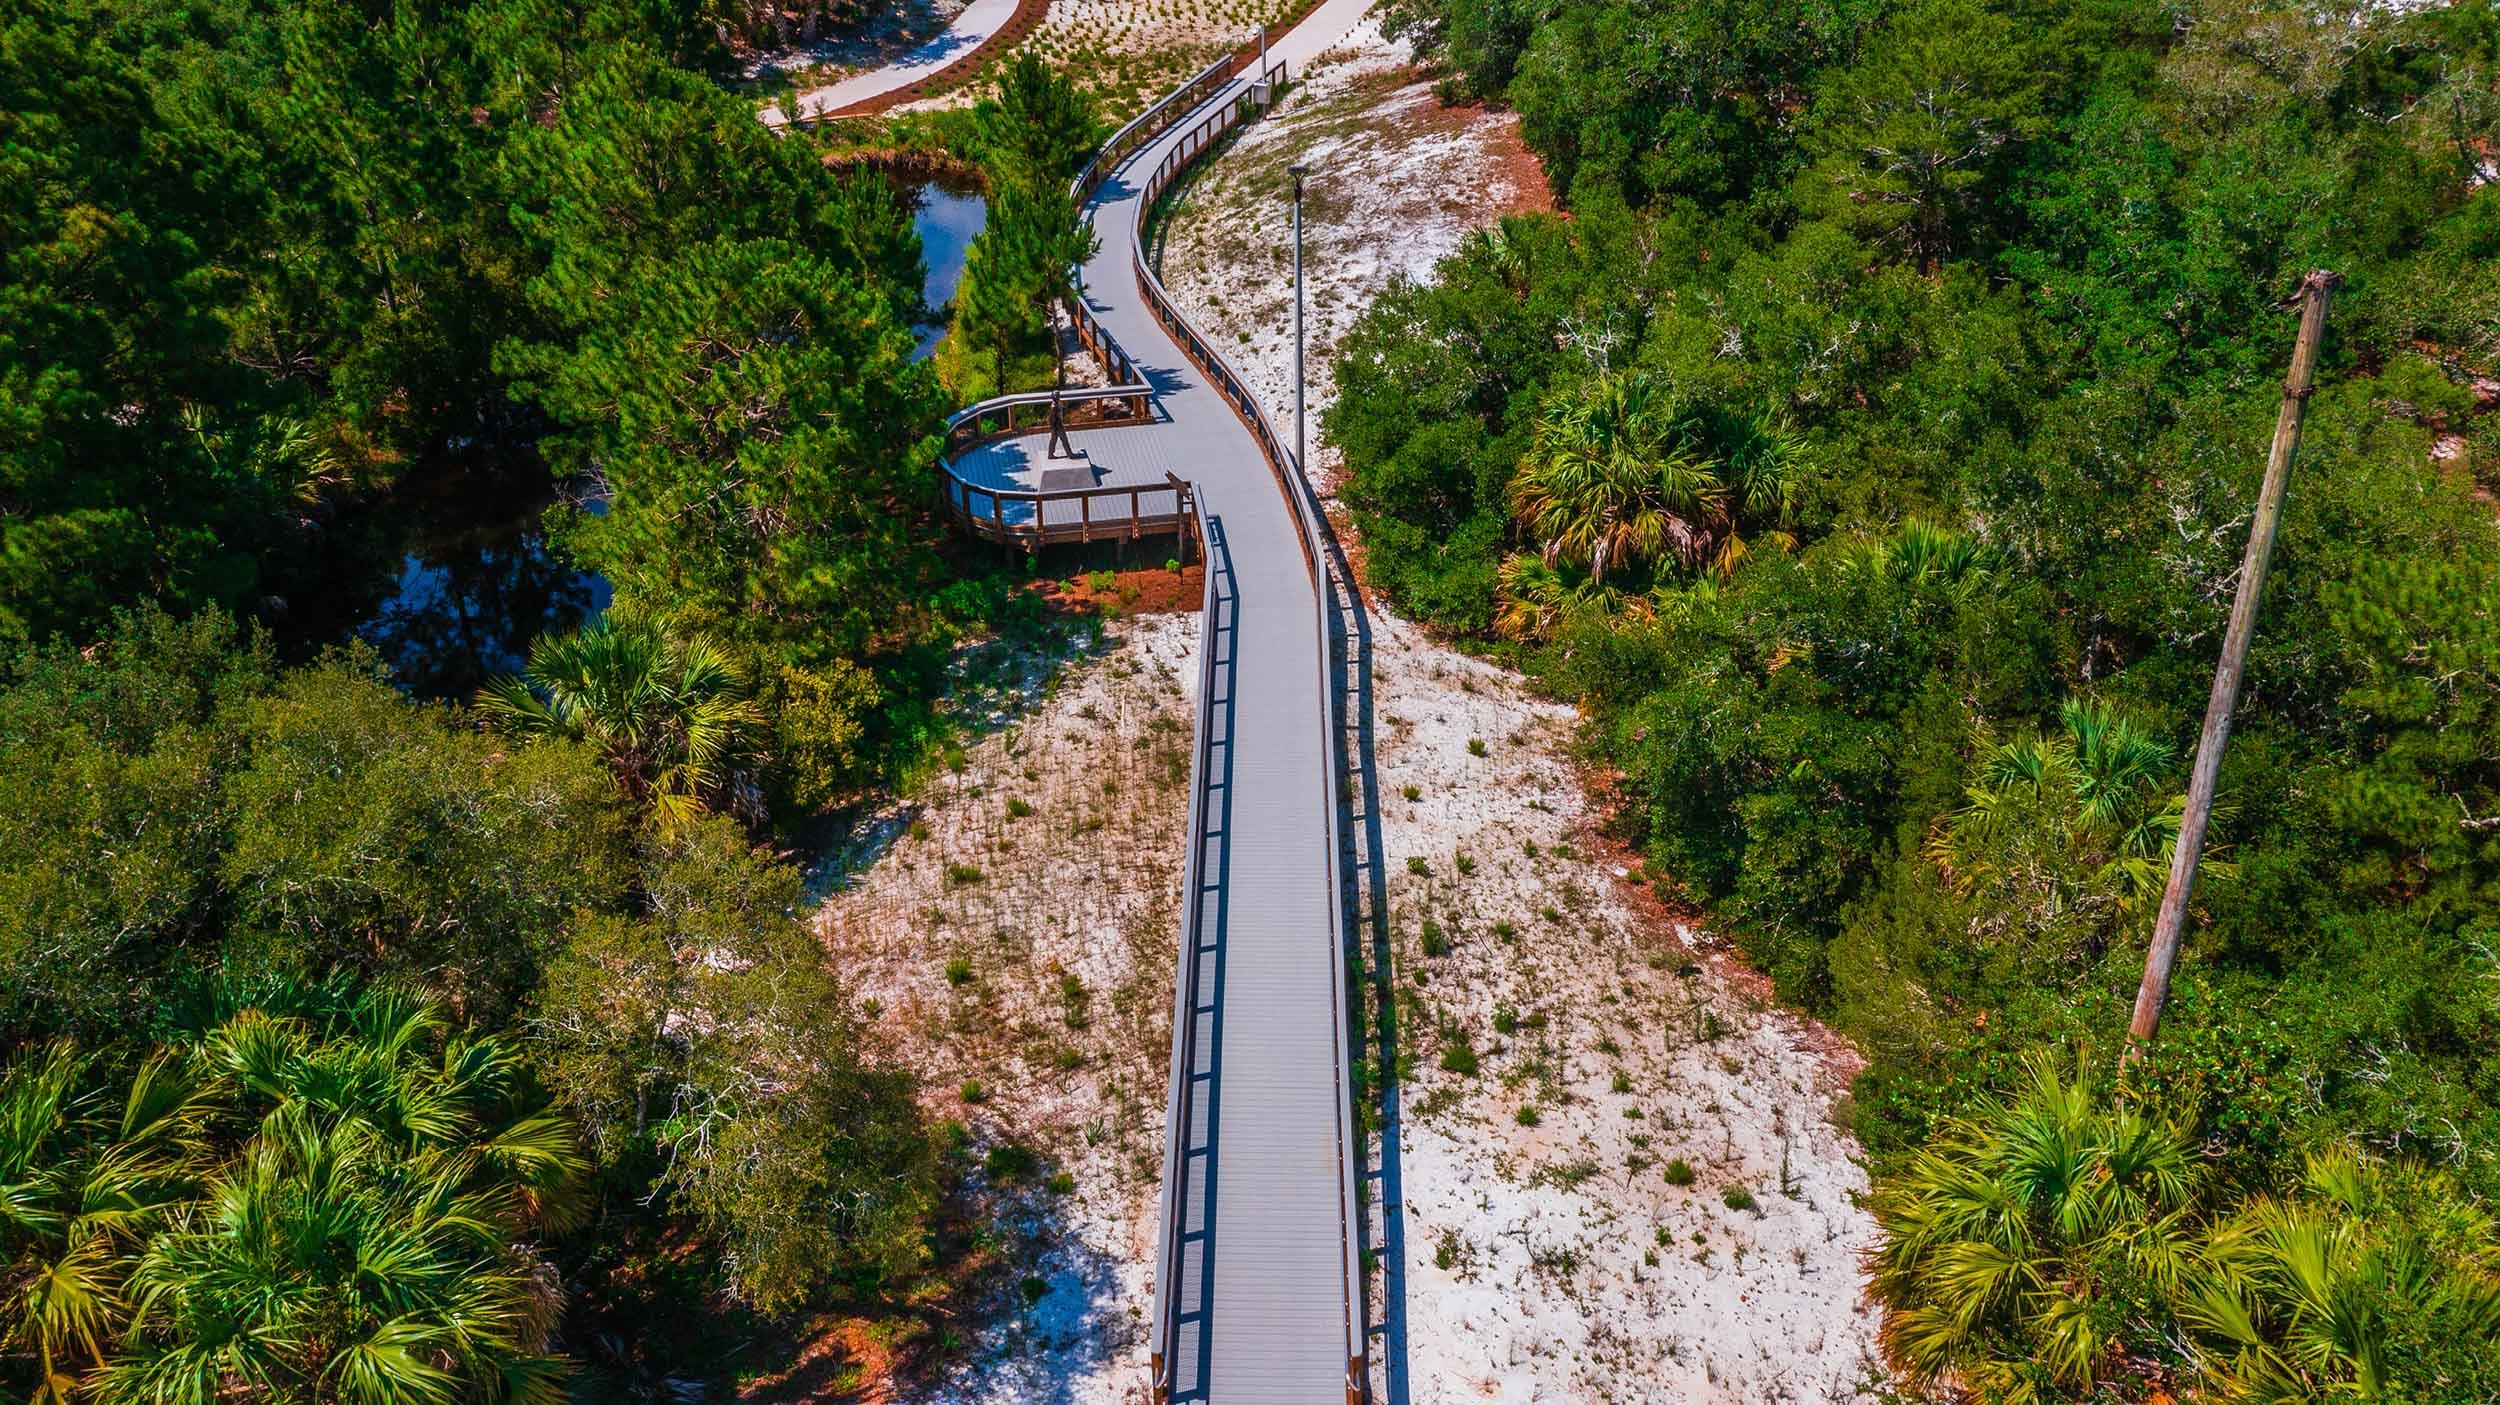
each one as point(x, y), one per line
point(962, 875)
point(1529, 845)
point(1736, 1197)
point(1009, 1162)
point(973, 1091)
point(1067, 1058)
point(1412, 793)
point(1528, 1116)
point(1550, 913)
point(1076, 1003)
point(1172, 564)
point(1463, 864)
point(1475, 746)
point(1505, 1019)
point(1061, 1183)
point(1679, 1172)
point(1436, 943)
point(1622, 1081)
point(1416, 865)
point(1459, 1057)
point(958, 970)
point(1506, 930)
point(1019, 808)
point(918, 830)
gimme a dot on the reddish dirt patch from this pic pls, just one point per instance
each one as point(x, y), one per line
point(1152, 591)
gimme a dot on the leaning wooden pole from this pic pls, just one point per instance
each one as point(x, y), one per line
point(2315, 291)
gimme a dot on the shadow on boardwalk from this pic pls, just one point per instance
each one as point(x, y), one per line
point(1367, 897)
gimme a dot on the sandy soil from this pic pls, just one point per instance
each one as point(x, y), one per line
point(1014, 926)
point(1399, 181)
point(1130, 52)
point(1621, 1178)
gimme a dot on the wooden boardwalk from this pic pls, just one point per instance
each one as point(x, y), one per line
point(1258, 1282)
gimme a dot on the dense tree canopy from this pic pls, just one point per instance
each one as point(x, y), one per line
point(269, 262)
point(2008, 276)
point(190, 820)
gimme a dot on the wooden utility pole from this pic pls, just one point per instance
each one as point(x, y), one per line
point(2315, 290)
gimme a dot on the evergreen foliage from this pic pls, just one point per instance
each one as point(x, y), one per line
point(2002, 281)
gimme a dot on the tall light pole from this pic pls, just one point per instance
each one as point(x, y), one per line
point(1299, 171)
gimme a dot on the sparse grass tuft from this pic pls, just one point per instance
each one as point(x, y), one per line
point(1679, 1172)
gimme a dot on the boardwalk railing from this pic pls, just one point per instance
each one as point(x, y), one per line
point(1033, 516)
point(1036, 517)
point(1304, 505)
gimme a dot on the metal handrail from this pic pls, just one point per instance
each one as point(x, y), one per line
point(1127, 384)
point(1178, 103)
point(1185, 983)
point(1303, 504)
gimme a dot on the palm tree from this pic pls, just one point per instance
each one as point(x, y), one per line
point(82, 1183)
point(1532, 597)
point(1500, 249)
point(1922, 553)
point(1620, 472)
point(364, 1243)
point(332, 1217)
point(1614, 477)
point(1763, 473)
point(1995, 1238)
point(671, 717)
point(2090, 792)
point(2311, 1297)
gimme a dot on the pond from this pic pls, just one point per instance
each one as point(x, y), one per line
point(949, 218)
point(476, 579)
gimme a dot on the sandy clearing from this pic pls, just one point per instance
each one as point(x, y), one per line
point(1049, 867)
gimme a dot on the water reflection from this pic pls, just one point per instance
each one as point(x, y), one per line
point(948, 220)
point(477, 581)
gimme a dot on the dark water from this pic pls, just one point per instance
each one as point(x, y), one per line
point(476, 579)
point(948, 219)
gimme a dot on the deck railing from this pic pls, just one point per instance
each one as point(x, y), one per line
point(1035, 516)
point(1304, 505)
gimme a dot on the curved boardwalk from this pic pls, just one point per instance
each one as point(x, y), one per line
point(1258, 1284)
point(949, 55)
